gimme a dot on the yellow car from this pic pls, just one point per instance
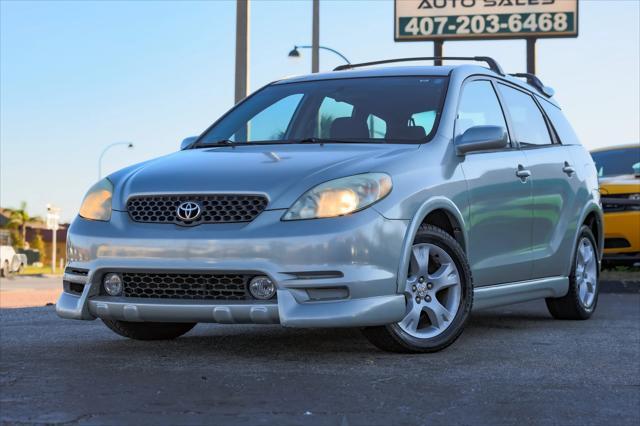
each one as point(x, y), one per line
point(619, 173)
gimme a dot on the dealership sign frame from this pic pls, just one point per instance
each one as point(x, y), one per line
point(448, 20)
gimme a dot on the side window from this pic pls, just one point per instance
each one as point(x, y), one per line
point(478, 106)
point(564, 130)
point(329, 110)
point(270, 123)
point(527, 119)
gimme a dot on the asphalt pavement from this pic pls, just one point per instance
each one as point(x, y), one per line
point(513, 365)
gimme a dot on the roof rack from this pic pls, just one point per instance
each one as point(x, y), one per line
point(493, 65)
point(534, 81)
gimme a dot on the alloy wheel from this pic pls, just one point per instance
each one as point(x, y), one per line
point(586, 272)
point(433, 292)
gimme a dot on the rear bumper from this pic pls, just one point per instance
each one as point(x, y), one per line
point(357, 255)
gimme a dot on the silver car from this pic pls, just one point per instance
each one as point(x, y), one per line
point(395, 199)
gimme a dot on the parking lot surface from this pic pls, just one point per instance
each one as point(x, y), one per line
point(513, 365)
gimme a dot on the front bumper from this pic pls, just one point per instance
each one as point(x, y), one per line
point(623, 228)
point(339, 272)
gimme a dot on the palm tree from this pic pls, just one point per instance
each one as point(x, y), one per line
point(19, 219)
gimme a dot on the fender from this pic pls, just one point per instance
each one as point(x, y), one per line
point(431, 204)
point(590, 207)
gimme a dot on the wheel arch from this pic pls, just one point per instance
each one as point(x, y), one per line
point(592, 217)
point(594, 222)
point(439, 211)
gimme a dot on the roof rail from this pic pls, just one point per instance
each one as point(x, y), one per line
point(493, 64)
point(534, 81)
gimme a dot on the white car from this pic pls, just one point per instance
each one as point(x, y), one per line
point(10, 261)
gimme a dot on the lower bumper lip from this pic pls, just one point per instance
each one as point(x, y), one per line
point(132, 309)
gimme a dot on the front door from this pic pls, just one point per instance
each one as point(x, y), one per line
point(499, 224)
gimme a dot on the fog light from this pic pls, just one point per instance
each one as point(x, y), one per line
point(112, 284)
point(262, 287)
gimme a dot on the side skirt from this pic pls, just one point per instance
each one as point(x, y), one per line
point(523, 291)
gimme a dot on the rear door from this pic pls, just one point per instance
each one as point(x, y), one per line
point(553, 179)
point(499, 223)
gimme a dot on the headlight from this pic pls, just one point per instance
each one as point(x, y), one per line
point(97, 203)
point(340, 196)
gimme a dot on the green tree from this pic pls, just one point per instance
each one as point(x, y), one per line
point(37, 243)
point(18, 219)
point(16, 240)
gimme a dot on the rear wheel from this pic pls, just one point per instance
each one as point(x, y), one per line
point(439, 295)
point(581, 300)
point(149, 330)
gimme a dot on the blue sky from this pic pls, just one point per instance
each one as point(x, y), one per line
point(76, 76)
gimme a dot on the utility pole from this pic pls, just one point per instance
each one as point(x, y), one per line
point(531, 55)
point(242, 50)
point(315, 38)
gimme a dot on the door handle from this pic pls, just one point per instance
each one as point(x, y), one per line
point(568, 169)
point(523, 173)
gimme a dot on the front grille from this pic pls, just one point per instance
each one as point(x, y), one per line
point(186, 286)
point(619, 203)
point(76, 271)
point(215, 208)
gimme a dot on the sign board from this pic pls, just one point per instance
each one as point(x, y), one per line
point(484, 19)
point(53, 218)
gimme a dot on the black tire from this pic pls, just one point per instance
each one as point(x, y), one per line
point(569, 307)
point(392, 338)
point(149, 330)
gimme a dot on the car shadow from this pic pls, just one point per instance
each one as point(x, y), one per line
point(275, 342)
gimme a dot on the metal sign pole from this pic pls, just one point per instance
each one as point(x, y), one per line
point(531, 55)
point(53, 217)
point(438, 48)
point(315, 38)
point(242, 50)
point(54, 252)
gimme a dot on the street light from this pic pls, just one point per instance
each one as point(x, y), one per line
point(295, 53)
point(129, 145)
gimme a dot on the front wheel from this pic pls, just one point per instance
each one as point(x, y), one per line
point(149, 330)
point(581, 300)
point(439, 293)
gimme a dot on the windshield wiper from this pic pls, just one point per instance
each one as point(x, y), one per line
point(322, 141)
point(312, 140)
point(222, 142)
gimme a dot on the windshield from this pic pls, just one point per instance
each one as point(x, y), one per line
point(370, 110)
point(617, 161)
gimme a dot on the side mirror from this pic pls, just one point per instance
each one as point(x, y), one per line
point(187, 141)
point(482, 138)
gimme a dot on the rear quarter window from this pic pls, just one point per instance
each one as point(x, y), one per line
point(560, 123)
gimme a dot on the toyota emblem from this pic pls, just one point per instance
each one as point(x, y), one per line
point(188, 211)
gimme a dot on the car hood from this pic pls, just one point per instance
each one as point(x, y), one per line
point(623, 184)
point(282, 172)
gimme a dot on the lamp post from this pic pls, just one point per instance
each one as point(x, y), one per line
point(129, 145)
point(295, 53)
